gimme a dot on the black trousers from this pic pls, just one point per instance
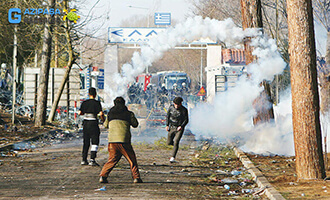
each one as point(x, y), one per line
point(91, 134)
point(173, 138)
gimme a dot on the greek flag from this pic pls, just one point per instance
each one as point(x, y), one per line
point(162, 18)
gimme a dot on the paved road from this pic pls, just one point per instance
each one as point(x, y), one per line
point(54, 172)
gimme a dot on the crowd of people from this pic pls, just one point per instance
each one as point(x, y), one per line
point(155, 96)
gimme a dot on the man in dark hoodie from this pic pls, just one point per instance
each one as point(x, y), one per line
point(91, 108)
point(176, 120)
point(119, 121)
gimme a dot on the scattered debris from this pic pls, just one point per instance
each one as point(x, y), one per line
point(229, 181)
point(206, 146)
point(260, 191)
point(221, 172)
point(235, 172)
point(101, 189)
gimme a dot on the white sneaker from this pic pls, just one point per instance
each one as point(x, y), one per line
point(172, 159)
point(84, 163)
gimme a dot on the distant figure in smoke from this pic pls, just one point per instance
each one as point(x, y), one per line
point(175, 90)
point(119, 121)
point(150, 93)
point(185, 92)
point(132, 93)
point(91, 132)
point(163, 90)
point(162, 96)
point(3, 76)
point(176, 120)
point(184, 89)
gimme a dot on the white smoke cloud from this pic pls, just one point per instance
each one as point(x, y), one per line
point(269, 61)
point(277, 138)
point(274, 138)
point(192, 29)
point(230, 113)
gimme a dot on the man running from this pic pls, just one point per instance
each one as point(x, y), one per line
point(176, 120)
point(91, 132)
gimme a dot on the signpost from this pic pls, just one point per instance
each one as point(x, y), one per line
point(201, 92)
point(132, 35)
point(163, 19)
point(100, 79)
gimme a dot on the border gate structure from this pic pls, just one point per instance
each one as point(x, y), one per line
point(220, 67)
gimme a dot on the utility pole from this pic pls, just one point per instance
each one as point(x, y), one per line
point(143, 9)
point(201, 71)
point(14, 74)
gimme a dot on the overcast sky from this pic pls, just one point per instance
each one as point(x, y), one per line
point(119, 10)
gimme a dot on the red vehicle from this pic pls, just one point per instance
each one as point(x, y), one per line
point(144, 79)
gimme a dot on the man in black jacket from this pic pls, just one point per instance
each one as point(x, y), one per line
point(177, 119)
point(91, 108)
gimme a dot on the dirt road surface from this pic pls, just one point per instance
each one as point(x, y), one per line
point(54, 172)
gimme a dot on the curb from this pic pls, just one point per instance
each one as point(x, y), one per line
point(258, 177)
point(9, 146)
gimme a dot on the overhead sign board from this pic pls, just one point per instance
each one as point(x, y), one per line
point(132, 35)
point(162, 18)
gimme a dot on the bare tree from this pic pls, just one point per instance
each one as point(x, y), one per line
point(44, 71)
point(218, 9)
point(72, 58)
point(305, 97)
point(71, 34)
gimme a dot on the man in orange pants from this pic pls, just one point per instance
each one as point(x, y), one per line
point(119, 121)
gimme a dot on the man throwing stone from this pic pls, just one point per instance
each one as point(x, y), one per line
point(119, 121)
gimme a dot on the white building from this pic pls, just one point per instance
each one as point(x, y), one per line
point(224, 66)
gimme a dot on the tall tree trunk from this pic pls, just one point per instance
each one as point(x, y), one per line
point(305, 97)
point(44, 71)
point(67, 72)
point(252, 18)
point(324, 77)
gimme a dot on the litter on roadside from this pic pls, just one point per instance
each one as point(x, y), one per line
point(101, 189)
point(235, 172)
point(228, 181)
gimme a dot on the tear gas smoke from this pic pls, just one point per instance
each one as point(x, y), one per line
point(192, 29)
point(274, 138)
point(231, 112)
point(277, 138)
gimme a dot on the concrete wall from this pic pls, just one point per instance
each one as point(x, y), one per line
point(213, 68)
point(55, 79)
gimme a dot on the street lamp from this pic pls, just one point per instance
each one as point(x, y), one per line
point(143, 9)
